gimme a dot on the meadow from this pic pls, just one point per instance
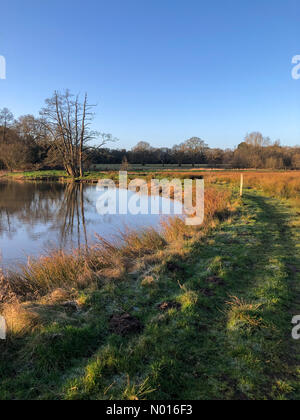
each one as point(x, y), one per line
point(180, 313)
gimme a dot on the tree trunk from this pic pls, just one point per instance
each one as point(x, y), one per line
point(81, 162)
point(71, 171)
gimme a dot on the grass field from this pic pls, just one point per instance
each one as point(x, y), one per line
point(183, 314)
point(253, 178)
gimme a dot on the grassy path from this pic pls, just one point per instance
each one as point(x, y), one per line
point(226, 335)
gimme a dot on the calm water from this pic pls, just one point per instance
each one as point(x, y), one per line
point(35, 217)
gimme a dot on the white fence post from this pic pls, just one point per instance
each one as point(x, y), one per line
point(242, 185)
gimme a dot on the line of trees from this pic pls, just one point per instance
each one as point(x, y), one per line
point(256, 151)
point(62, 137)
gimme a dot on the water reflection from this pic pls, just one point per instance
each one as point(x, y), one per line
point(37, 216)
point(71, 215)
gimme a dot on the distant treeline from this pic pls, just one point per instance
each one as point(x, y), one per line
point(254, 152)
point(31, 143)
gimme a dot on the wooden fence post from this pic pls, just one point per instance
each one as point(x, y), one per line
point(242, 185)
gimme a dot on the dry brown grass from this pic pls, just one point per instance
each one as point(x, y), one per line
point(57, 296)
point(276, 184)
point(41, 276)
point(217, 204)
point(19, 319)
point(281, 185)
point(174, 229)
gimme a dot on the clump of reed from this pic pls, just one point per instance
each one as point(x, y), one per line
point(45, 274)
point(217, 204)
point(175, 230)
point(19, 319)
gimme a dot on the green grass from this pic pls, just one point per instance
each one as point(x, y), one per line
point(230, 339)
point(89, 176)
point(111, 171)
point(56, 175)
point(36, 175)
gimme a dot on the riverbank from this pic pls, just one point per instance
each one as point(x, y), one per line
point(94, 176)
point(182, 315)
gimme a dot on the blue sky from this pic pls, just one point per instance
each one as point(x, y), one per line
point(159, 70)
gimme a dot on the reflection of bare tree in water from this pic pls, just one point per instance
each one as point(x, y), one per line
point(61, 207)
point(72, 214)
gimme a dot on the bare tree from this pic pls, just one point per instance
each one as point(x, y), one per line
point(30, 128)
point(6, 120)
point(256, 139)
point(195, 149)
point(163, 155)
point(142, 151)
point(68, 121)
point(296, 160)
point(14, 155)
point(178, 153)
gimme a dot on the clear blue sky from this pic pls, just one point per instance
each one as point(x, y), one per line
point(160, 70)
